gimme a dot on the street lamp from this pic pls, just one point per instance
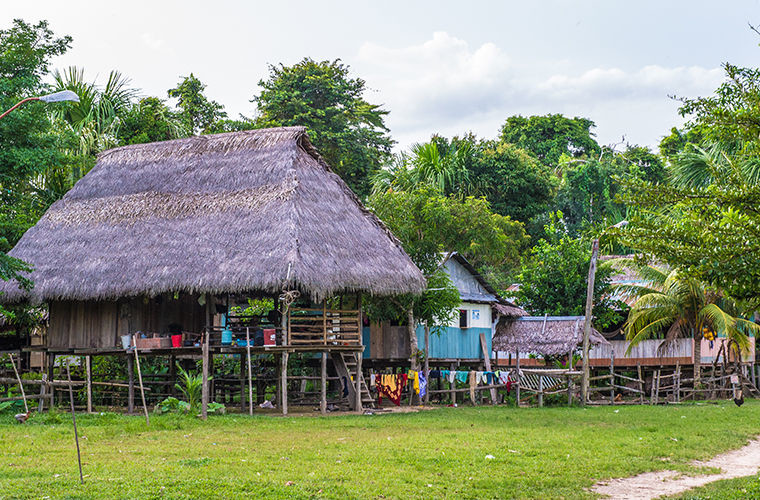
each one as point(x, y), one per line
point(589, 307)
point(63, 95)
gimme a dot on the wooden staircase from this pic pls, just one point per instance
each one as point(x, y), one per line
point(346, 366)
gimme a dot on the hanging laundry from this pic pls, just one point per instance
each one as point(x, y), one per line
point(480, 376)
point(345, 387)
point(423, 384)
point(503, 377)
point(434, 374)
point(371, 379)
point(390, 386)
point(452, 376)
point(462, 376)
point(490, 377)
point(473, 384)
point(415, 376)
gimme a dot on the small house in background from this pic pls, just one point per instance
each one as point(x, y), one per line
point(457, 340)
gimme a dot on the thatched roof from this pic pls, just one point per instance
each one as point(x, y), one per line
point(508, 309)
point(547, 335)
point(253, 210)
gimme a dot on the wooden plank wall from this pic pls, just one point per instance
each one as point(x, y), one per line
point(387, 342)
point(100, 324)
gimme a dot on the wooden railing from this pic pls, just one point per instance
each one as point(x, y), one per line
point(324, 327)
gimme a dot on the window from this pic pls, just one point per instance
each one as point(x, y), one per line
point(463, 318)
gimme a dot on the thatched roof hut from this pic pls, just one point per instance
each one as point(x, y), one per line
point(546, 335)
point(254, 210)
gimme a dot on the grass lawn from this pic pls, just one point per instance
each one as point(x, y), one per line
point(537, 453)
point(729, 489)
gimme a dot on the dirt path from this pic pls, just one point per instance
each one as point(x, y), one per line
point(742, 462)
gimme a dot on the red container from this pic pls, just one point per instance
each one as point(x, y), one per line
point(176, 340)
point(270, 336)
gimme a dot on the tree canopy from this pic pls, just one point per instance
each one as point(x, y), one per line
point(348, 131)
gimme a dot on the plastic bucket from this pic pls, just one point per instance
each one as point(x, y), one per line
point(226, 336)
point(176, 340)
point(126, 341)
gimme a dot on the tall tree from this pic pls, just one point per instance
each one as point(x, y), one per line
point(28, 142)
point(348, 131)
point(197, 112)
point(551, 136)
point(150, 120)
point(553, 278)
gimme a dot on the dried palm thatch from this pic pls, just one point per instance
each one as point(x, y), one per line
point(255, 210)
point(549, 336)
point(510, 310)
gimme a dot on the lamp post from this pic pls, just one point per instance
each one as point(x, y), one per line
point(63, 95)
point(589, 307)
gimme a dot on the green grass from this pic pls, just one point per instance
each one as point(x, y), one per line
point(728, 489)
point(538, 453)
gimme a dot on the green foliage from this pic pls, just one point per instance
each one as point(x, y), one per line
point(513, 181)
point(550, 137)
point(553, 279)
point(197, 112)
point(191, 386)
point(348, 131)
point(150, 120)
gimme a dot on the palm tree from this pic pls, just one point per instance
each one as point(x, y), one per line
point(671, 302)
point(96, 118)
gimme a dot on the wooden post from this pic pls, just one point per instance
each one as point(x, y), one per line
point(51, 369)
point(139, 378)
point(487, 361)
point(43, 386)
point(204, 383)
point(453, 386)
point(284, 382)
point(358, 382)
point(250, 370)
point(172, 374)
point(587, 320)
point(677, 383)
point(641, 384)
point(540, 391)
point(323, 385)
point(569, 390)
point(21, 385)
point(324, 322)
point(74, 421)
point(131, 384)
point(517, 390)
point(427, 361)
point(612, 377)
point(88, 374)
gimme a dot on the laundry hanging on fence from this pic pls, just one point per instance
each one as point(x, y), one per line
point(423, 384)
point(462, 376)
point(434, 374)
point(452, 376)
point(390, 386)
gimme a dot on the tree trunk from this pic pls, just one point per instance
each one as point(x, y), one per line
point(412, 331)
point(697, 360)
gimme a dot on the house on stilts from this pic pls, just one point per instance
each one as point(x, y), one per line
point(159, 241)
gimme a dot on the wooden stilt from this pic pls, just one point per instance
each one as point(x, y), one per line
point(74, 421)
point(23, 395)
point(612, 377)
point(51, 368)
point(131, 383)
point(517, 390)
point(250, 369)
point(427, 361)
point(172, 374)
point(88, 375)
point(487, 362)
point(540, 391)
point(284, 381)
point(323, 385)
point(139, 378)
point(205, 369)
point(453, 386)
point(43, 387)
point(358, 382)
point(641, 384)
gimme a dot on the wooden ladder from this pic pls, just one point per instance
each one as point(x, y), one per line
point(346, 366)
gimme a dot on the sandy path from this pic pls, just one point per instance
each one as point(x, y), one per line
point(742, 462)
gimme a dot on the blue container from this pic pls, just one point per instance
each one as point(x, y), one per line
point(226, 336)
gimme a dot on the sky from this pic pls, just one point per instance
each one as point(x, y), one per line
point(438, 67)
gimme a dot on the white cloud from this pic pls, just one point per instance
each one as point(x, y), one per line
point(446, 86)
